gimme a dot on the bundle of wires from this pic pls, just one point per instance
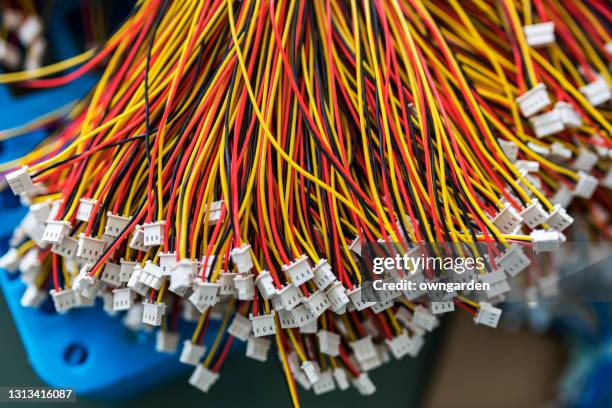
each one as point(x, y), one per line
point(236, 157)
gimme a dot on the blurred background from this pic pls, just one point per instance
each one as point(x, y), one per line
point(556, 353)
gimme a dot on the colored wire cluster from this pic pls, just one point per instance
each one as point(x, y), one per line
point(237, 156)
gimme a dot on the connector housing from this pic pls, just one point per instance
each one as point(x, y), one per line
point(299, 271)
point(540, 35)
point(488, 315)
point(89, 249)
point(423, 318)
point(125, 270)
point(289, 297)
point(263, 325)
point(152, 313)
point(63, 300)
point(33, 296)
point(115, 224)
point(534, 215)
point(569, 116)
point(356, 299)
point(245, 286)
point(257, 348)
point(597, 92)
point(559, 219)
point(585, 160)
point(242, 258)
point(85, 209)
point(166, 342)
point(153, 233)
point(400, 345)
point(311, 369)
point(513, 261)
point(363, 384)
point(341, 378)
point(151, 275)
point(122, 299)
point(182, 275)
point(110, 274)
point(547, 124)
point(338, 299)
point(442, 307)
point(323, 274)
point(329, 343)
point(586, 185)
point(227, 283)
point(325, 383)
point(205, 294)
point(240, 327)
point(55, 231)
point(534, 100)
point(265, 284)
point(20, 181)
point(66, 248)
point(316, 303)
point(507, 219)
point(137, 240)
point(202, 378)
point(546, 241)
point(191, 353)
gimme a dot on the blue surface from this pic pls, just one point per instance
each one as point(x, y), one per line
point(86, 349)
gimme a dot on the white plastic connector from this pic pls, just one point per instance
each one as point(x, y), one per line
point(240, 327)
point(122, 299)
point(597, 92)
point(509, 148)
point(289, 297)
point(363, 384)
point(257, 348)
point(527, 166)
point(151, 275)
point(152, 313)
point(325, 384)
point(29, 266)
point(607, 180)
point(286, 319)
point(215, 211)
point(166, 342)
point(316, 303)
point(355, 246)
point(341, 378)
point(540, 35)
point(338, 299)
point(182, 275)
point(265, 284)
point(115, 224)
point(55, 231)
point(310, 328)
point(242, 258)
point(423, 318)
point(85, 209)
point(167, 260)
point(547, 124)
point(546, 241)
point(263, 325)
point(323, 274)
point(40, 211)
point(586, 185)
point(507, 220)
point(134, 282)
point(245, 286)
point(89, 249)
point(202, 378)
point(205, 294)
point(191, 353)
point(10, 260)
point(534, 100)
point(302, 316)
point(569, 116)
point(379, 307)
point(299, 271)
point(497, 281)
point(585, 160)
point(442, 307)
point(363, 348)
point(559, 219)
point(110, 274)
point(83, 283)
point(487, 315)
point(137, 240)
point(311, 369)
point(125, 270)
point(513, 261)
point(29, 29)
point(63, 300)
point(20, 181)
point(227, 283)
point(356, 299)
point(534, 214)
point(558, 151)
point(153, 233)
point(400, 345)
point(329, 343)
point(33, 296)
point(67, 248)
